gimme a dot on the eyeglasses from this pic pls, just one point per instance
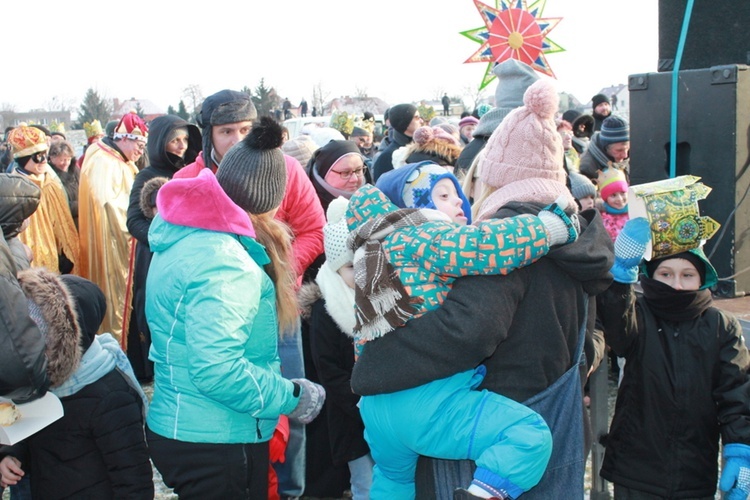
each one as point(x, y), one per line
point(139, 145)
point(347, 174)
point(39, 157)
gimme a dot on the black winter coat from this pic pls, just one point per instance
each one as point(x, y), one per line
point(384, 162)
point(23, 373)
point(139, 222)
point(96, 450)
point(333, 354)
point(685, 384)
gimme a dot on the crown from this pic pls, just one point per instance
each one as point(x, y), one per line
point(131, 126)
point(93, 129)
point(26, 141)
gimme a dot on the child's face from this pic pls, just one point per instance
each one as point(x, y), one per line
point(446, 199)
point(347, 274)
point(586, 202)
point(680, 274)
point(618, 200)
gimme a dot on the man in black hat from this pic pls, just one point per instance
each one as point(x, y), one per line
point(404, 120)
point(601, 109)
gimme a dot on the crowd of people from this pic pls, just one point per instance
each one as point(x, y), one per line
point(410, 318)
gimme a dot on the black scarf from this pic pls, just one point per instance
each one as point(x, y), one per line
point(673, 305)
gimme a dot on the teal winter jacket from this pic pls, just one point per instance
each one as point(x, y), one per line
point(212, 313)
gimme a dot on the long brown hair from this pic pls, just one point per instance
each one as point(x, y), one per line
point(276, 237)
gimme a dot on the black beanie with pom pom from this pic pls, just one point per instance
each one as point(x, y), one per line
point(253, 172)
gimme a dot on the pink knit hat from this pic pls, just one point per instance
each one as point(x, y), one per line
point(523, 157)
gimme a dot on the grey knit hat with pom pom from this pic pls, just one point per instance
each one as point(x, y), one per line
point(253, 172)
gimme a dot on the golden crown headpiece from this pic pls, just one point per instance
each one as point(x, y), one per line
point(26, 141)
point(93, 129)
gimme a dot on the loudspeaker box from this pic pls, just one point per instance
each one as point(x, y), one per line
point(713, 137)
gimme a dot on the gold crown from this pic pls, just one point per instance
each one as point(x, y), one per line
point(93, 129)
point(26, 141)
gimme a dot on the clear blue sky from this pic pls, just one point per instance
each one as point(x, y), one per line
point(398, 50)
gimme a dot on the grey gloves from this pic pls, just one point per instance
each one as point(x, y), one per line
point(311, 399)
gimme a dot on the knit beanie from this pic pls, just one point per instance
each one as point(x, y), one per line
point(90, 304)
point(335, 234)
point(581, 186)
point(411, 186)
point(469, 120)
point(598, 99)
point(253, 172)
point(614, 129)
point(610, 181)
point(324, 158)
point(523, 158)
point(225, 106)
point(302, 148)
point(513, 78)
point(571, 115)
point(433, 144)
point(401, 116)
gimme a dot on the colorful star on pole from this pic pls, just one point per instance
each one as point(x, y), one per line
point(513, 30)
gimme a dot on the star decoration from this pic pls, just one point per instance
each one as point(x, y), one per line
point(513, 31)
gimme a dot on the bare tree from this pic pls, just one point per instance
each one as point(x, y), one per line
point(320, 96)
point(360, 92)
point(59, 103)
point(193, 96)
point(475, 94)
point(6, 106)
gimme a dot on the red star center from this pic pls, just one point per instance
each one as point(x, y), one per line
point(515, 33)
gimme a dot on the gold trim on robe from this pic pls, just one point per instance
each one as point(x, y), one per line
point(51, 228)
point(103, 199)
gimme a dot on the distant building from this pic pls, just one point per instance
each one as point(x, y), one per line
point(356, 105)
point(147, 109)
point(36, 117)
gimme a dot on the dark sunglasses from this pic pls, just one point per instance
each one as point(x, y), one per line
point(39, 157)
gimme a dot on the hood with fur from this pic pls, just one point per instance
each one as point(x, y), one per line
point(58, 312)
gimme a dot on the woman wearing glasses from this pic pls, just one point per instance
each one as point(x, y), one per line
point(51, 233)
point(337, 169)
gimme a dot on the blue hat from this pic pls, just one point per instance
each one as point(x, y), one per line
point(411, 186)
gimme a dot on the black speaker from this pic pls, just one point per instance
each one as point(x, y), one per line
point(718, 33)
point(713, 142)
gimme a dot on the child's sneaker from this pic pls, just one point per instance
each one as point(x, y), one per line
point(464, 494)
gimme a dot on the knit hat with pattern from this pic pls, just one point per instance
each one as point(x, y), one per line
point(411, 186)
point(335, 234)
point(523, 158)
point(253, 172)
point(614, 129)
point(611, 180)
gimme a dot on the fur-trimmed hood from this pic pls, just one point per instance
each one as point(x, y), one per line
point(148, 195)
point(58, 311)
point(308, 294)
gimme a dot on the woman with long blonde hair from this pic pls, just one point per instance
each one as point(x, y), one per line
point(219, 290)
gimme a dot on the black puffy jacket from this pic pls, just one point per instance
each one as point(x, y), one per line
point(23, 374)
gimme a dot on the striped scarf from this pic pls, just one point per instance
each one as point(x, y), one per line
point(382, 302)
